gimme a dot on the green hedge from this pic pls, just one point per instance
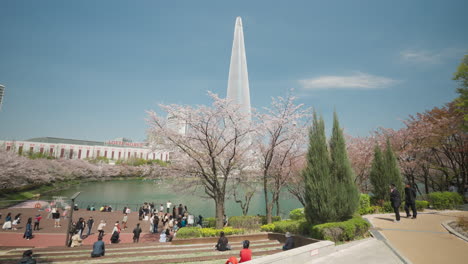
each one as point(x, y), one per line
point(341, 231)
point(194, 232)
point(292, 226)
point(445, 200)
point(297, 214)
point(210, 221)
point(365, 204)
point(247, 221)
point(273, 219)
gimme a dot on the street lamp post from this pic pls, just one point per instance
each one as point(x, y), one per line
point(71, 217)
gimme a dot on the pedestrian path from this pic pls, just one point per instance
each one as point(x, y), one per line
point(365, 251)
point(423, 240)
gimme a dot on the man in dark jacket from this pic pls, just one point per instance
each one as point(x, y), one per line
point(98, 248)
point(222, 244)
point(395, 201)
point(289, 244)
point(90, 225)
point(27, 258)
point(410, 201)
point(136, 233)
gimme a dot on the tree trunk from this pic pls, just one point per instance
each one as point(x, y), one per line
point(219, 203)
point(277, 206)
point(267, 207)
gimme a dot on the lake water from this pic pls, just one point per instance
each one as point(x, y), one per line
point(132, 193)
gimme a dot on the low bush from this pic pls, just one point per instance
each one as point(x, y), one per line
point(421, 205)
point(209, 222)
point(445, 200)
point(273, 219)
point(341, 231)
point(297, 214)
point(365, 205)
point(247, 222)
point(194, 232)
point(292, 226)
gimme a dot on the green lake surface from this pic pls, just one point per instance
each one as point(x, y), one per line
point(133, 193)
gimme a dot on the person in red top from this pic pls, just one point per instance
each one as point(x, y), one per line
point(232, 260)
point(245, 253)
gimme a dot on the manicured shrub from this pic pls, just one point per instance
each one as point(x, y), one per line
point(445, 200)
point(341, 231)
point(247, 222)
point(387, 207)
point(292, 226)
point(297, 214)
point(194, 232)
point(273, 219)
point(209, 222)
point(421, 205)
point(364, 205)
point(268, 228)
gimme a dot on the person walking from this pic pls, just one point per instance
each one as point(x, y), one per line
point(136, 233)
point(100, 228)
point(395, 201)
point(90, 224)
point(410, 201)
point(124, 221)
point(80, 225)
point(155, 224)
point(98, 248)
point(17, 221)
point(245, 253)
point(168, 206)
point(37, 220)
point(28, 232)
point(7, 224)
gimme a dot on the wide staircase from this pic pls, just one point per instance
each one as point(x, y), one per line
point(179, 251)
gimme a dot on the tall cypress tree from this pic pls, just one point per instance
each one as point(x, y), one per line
point(378, 176)
point(346, 199)
point(319, 187)
point(392, 169)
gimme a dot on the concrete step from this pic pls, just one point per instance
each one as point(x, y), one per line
point(147, 249)
point(145, 257)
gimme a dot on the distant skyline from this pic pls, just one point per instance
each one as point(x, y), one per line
point(90, 69)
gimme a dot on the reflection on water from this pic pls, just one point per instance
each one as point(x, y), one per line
point(133, 192)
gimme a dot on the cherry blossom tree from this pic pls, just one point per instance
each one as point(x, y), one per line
point(213, 147)
point(280, 135)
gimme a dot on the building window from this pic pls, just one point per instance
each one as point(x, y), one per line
point(97, 154)
point(87, 153)
point(8, 148)
point(154, 156)
point(41, 150)
point(31, 150)
point(71, 154)
point(167, 157)
point(141, 155)
point(119, 154)
point(51, 151)
point(128, 154)
point(105, 153)
point(79, 154)
point(134, 154)
point(20, 150)
point(161, 157)
point(62, 153)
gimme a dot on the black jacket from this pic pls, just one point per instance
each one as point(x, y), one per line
point(289, 244)
point(410, 195)
point(395, 198)
point(222, 244)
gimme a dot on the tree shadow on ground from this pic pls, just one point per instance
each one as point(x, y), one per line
point(386, 219)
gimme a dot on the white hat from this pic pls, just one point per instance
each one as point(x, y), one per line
point(288, 234)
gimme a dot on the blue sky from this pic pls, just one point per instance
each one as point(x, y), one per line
point(90, 69)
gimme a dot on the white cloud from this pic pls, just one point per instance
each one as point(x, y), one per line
point(431, 57)
point(356, 81)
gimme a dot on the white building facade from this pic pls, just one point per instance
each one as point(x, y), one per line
point(61, 148)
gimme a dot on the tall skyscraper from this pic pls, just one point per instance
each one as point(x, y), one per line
point(238, 84)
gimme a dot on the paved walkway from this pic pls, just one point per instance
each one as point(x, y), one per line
point(369, 250)
point(423, 240)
